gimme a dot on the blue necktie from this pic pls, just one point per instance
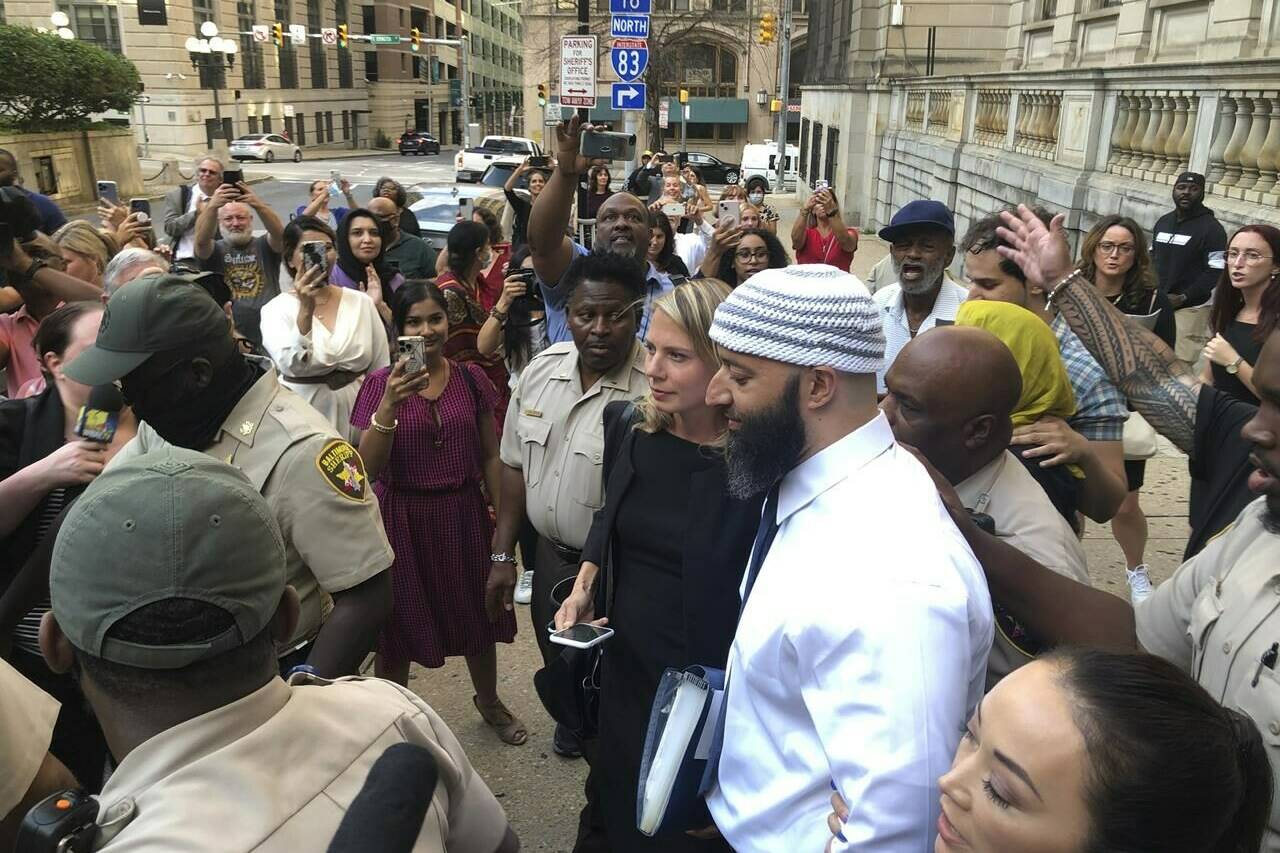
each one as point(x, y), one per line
point(764, 540)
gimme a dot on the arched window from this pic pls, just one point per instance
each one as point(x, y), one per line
point(706, 70)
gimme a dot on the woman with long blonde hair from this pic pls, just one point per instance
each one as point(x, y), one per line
point(664, 556)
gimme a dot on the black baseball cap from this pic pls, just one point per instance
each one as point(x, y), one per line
point(155, 313)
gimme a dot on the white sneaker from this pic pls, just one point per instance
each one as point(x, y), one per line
point(1139, 584)
point(524, 588)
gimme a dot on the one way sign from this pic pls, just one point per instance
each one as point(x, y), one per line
point(628, 96)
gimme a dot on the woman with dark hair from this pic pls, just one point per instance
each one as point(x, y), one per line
point(1114, 258)
point(467, 253)
point(44, 465)
point(595, 193)
point(323, 338)
point(362, 259)
point(664, 556)
point(662, 246)
point(1246, 309)
point(517, 326)
point(735, 261)
point(390, 188)
point(492, 276)
point(1086, 751)
point(521, 206)
point(428, 443)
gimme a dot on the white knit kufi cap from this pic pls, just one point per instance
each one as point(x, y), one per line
point(807, 315)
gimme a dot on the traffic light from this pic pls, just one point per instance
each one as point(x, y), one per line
point(277, 34)
point(415, 38)
point(768, 28)
point(342, 35)
point(542, 94)
point(684, 96)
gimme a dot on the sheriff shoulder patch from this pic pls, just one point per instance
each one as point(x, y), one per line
point(343, 469)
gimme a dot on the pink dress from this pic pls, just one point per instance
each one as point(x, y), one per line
point(437, 520)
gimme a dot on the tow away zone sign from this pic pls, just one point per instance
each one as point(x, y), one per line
point(578, 71)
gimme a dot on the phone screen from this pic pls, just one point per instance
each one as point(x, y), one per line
point(582, 633)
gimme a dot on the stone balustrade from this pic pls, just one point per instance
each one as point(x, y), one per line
point(914, 117)
point(1151, 134)
point(939, 112)
point(991, 121)
point(1036, 131)
point(1245, 153)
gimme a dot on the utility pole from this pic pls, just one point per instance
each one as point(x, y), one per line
point(464, 48)
point(584, 29)
point(784, 83)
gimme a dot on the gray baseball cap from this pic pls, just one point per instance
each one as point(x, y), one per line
point(155, 313)
point(173, 523)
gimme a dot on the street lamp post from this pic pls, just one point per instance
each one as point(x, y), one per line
point(217, 54)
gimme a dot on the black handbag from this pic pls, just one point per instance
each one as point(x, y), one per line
point(569, 686)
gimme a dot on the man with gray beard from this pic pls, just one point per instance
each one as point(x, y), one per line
point(922, 244)
point(249, 266)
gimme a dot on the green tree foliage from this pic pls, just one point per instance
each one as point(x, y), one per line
point(50, 83)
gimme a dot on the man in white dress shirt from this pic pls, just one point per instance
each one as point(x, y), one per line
point(862, 645)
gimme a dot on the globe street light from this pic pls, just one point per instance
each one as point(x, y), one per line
point(216, 54)
point(60, 20)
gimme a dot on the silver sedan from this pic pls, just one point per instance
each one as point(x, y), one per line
point(265, 147)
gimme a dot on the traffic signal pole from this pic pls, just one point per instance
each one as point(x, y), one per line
point(784, 82)
point(463, 44)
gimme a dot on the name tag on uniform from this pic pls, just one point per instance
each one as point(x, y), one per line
point(533, 413)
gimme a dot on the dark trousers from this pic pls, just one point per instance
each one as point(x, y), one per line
point(555, 563)
point(77, 738)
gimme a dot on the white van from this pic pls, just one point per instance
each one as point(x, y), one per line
point(759, 166)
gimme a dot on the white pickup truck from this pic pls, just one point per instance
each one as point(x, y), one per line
point(470, 164)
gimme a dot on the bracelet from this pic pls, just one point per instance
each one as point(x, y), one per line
point(37, 264)
point(1074, 274)
point(500, 316)
point(386, 430)
point(502, 557)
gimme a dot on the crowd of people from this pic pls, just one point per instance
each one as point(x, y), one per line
point(240, 454)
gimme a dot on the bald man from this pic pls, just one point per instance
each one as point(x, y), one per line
point(249, 265)
point(951, 392)
point(412, 255)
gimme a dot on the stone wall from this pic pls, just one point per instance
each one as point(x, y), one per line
point(67, 165)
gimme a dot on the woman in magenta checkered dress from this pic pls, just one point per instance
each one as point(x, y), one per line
point(428, 442)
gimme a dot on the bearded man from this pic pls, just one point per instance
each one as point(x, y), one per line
point(922, 244)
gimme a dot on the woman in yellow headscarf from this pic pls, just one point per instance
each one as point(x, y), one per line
point(1046, 388)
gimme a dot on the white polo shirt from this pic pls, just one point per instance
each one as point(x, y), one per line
point(859, 656)
point(893, 318)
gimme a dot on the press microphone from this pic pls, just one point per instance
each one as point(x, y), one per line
point(386, 816)
point(99, 416)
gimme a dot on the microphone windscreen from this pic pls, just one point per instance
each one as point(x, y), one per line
point(106, 398)
point(386, 816)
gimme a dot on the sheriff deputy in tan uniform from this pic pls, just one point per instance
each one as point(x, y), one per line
point(28, 771)
point(167, 587)
point(553, 439)
point(169, 345)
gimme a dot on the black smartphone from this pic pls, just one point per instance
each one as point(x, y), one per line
point(141, 207)
point(607, 145)
point(232, 176)
point(536, 162)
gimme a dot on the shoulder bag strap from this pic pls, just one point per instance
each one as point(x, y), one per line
point(615, 440)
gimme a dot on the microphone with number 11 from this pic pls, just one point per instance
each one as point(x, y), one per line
point(101, 414)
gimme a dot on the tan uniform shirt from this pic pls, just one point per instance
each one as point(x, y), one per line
point(554, 433)
point(1026, 519)
point(278, 769)
point(27, 715)
point(317, 488)
point(1217, 618)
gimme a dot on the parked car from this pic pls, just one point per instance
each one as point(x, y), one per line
point(437, 209)
point(418, 142)
point(760, 166)
point(713, 169)
point(265, 147)
point(469, 165)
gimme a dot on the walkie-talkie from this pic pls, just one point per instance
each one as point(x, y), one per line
point(64, 822)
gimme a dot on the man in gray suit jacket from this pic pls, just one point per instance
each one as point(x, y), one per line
point(183, 204)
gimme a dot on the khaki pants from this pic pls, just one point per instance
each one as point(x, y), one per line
point(1193, 333)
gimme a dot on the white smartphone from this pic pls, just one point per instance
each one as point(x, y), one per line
point(412, 349)
point(584, 635)
point(466, 207)
point(109, 191)
point(673, 208)
point(729, 211)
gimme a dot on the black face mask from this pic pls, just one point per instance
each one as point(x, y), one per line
point(193, 419)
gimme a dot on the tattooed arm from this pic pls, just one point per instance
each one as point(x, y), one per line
point(1159, 386)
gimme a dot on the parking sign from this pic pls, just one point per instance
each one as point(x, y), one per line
point(578, 71)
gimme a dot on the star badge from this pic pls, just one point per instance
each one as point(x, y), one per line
point(246, 428)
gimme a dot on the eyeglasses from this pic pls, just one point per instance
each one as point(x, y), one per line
point(1250, 256)
point(1122, 249)
point(209, 171)
point(752, 255)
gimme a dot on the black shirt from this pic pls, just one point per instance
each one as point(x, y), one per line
point(1219, 466)
point(1189, 255)
point(520, 209)
point(252, 274)
point(1240, 336)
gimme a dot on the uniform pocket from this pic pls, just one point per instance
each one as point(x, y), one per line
point(533, 433)
point(1204, 615)
point(588, 451)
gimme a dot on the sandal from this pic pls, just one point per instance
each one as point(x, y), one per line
point(506, 724)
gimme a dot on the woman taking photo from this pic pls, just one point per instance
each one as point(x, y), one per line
point(678, 544)
point(516, 328)
point(1084, 751)
point(428, 443)
point(520, 206)
point(323, 338)
point(736, 254)
point(43, 466)
point(1246, 307)
point(467, 253)
point(1114, 258)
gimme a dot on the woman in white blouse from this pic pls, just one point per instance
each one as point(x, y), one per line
point(322, 337)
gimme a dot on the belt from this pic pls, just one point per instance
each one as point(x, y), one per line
point(564, 552)
point(335, 380)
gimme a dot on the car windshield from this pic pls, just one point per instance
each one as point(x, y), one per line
point(497, 174)
point(445, 212)
point(507, 146)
